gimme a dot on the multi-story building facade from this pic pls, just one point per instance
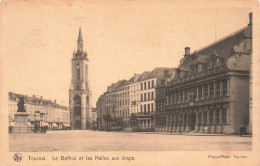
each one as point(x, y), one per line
point(160, 104)
point(130, 104)
point(143, 98)
point(113, 107)
point(210, 91)
point(108, 119)
point(79, 92)
point(100, 112)
point(122, 109)
point(51, 114)
point(207, 93)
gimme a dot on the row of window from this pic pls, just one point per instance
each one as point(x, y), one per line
point(134, 87)
point(107, 99)
point(134, 109)
point(147, 108)
point(160, 106)
point(147, 96)
point(160, 92)
point(126, 88)
point(122, 102)
point(213, 89)
point(135, 97)
point(123, 113)
point(124, 94)
point(160, 122)
point(147, 85)
point(218, 116)
point(107, 110)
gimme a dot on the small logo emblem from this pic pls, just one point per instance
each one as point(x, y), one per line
point(18, 157)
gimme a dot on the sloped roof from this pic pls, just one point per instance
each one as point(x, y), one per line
point(221, 47)
point(145, 75)
point(35, 100)
point(156, 73)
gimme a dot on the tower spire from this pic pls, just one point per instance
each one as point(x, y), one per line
point(80, 41)
point(80, 36)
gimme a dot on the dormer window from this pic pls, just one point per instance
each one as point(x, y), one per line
point(213, 63)
point(194, 69)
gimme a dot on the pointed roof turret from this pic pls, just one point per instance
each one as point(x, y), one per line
point(83, 86)
point(71, 87)
point(80, 36)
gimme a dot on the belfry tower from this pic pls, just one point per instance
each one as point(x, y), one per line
point(79, 92)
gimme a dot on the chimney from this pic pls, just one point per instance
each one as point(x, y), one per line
point(250, 19)
point(187, 51)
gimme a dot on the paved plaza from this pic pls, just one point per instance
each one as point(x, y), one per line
point(85, 140)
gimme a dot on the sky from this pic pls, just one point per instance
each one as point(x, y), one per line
point(121, 38)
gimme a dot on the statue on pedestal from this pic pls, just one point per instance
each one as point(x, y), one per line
point(20, 105)
point(21, 119)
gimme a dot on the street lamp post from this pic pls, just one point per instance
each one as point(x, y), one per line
point(35, 131)
point(171, 125)
point(36, 113)
point(41, 116)
point(180, 124)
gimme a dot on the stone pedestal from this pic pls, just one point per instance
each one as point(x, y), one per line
point(212, 129)
point(21, 123)
point(178, 129)
point(183, 128)
point(201, 129)
point(206, 129)
point(197, 128)
point(187, 129)
point(249, 129)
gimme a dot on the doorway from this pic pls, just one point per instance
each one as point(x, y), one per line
point(192, 120)
point(77, 125)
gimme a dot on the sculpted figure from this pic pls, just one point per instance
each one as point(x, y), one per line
point(20, 105)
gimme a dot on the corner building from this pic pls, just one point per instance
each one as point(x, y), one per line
point(79, 92)
point(210, 91)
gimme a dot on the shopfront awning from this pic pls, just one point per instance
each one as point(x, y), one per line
point(12, 124)
point(44, 124)
point(143, 118)
point(54, 125)
point(66, 125)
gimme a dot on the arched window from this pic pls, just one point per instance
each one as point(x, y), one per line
point(78, 72)
point(87, 100)
point(77, 105)
point(86, 73)
point(77, 88)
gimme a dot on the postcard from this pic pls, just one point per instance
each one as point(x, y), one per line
point(129, 82)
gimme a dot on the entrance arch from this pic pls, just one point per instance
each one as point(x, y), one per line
point(77, 106)
point(192, 121)
point(77, 124)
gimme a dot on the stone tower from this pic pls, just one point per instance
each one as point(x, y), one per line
point(79, 92)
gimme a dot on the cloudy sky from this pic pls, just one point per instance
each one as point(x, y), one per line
point(120, 37)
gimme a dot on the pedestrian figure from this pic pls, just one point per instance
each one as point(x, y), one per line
point(242, 130)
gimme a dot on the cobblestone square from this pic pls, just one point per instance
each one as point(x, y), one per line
point(85, 140)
